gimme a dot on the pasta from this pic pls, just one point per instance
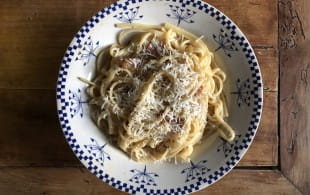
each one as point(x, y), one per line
point(157, 92)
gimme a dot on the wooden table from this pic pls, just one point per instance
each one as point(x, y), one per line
point(34, 157)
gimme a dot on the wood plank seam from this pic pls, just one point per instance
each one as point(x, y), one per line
point(31, 180)
point(294, 111)
point(29, 70)
point(288, 180)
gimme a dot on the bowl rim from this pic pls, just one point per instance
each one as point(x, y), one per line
point(257, 82)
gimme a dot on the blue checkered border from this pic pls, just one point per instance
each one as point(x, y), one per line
point(201, 182)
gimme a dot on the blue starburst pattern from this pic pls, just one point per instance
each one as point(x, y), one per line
point(181, 14)
point(129, 16)
point(76, 103)
point(87, 50)
point(97, 151)
point(243, 92)
point(227, 147)
point(195, 170)
point(225, 43)
point(143, 177)
point(111, 176)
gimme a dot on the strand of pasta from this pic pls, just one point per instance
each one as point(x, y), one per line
point(132, 135)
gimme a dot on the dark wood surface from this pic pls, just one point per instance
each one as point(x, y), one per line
point(77, 180)
point(295, 92)
point(34, 157)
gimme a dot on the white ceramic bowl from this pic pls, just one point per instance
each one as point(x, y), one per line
point(212, 159)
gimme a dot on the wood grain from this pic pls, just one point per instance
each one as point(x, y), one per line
point(257, 182)
point(34, 35)
point(30, 132)
point(80, 181)
point(264, 149)
point(258, 19)
point(269, 65)
point(49, 28)
point(294, 94)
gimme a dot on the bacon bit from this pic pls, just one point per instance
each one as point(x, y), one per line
point(167, 118)
point(160, 113)
point(155, 49)
point(128, 63)
point(122, 63)
point(162, 121)
point(199, 91)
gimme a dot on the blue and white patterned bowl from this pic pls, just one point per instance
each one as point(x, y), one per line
point(212, 159)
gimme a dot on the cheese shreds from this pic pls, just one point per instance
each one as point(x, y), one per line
point(153, 93)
